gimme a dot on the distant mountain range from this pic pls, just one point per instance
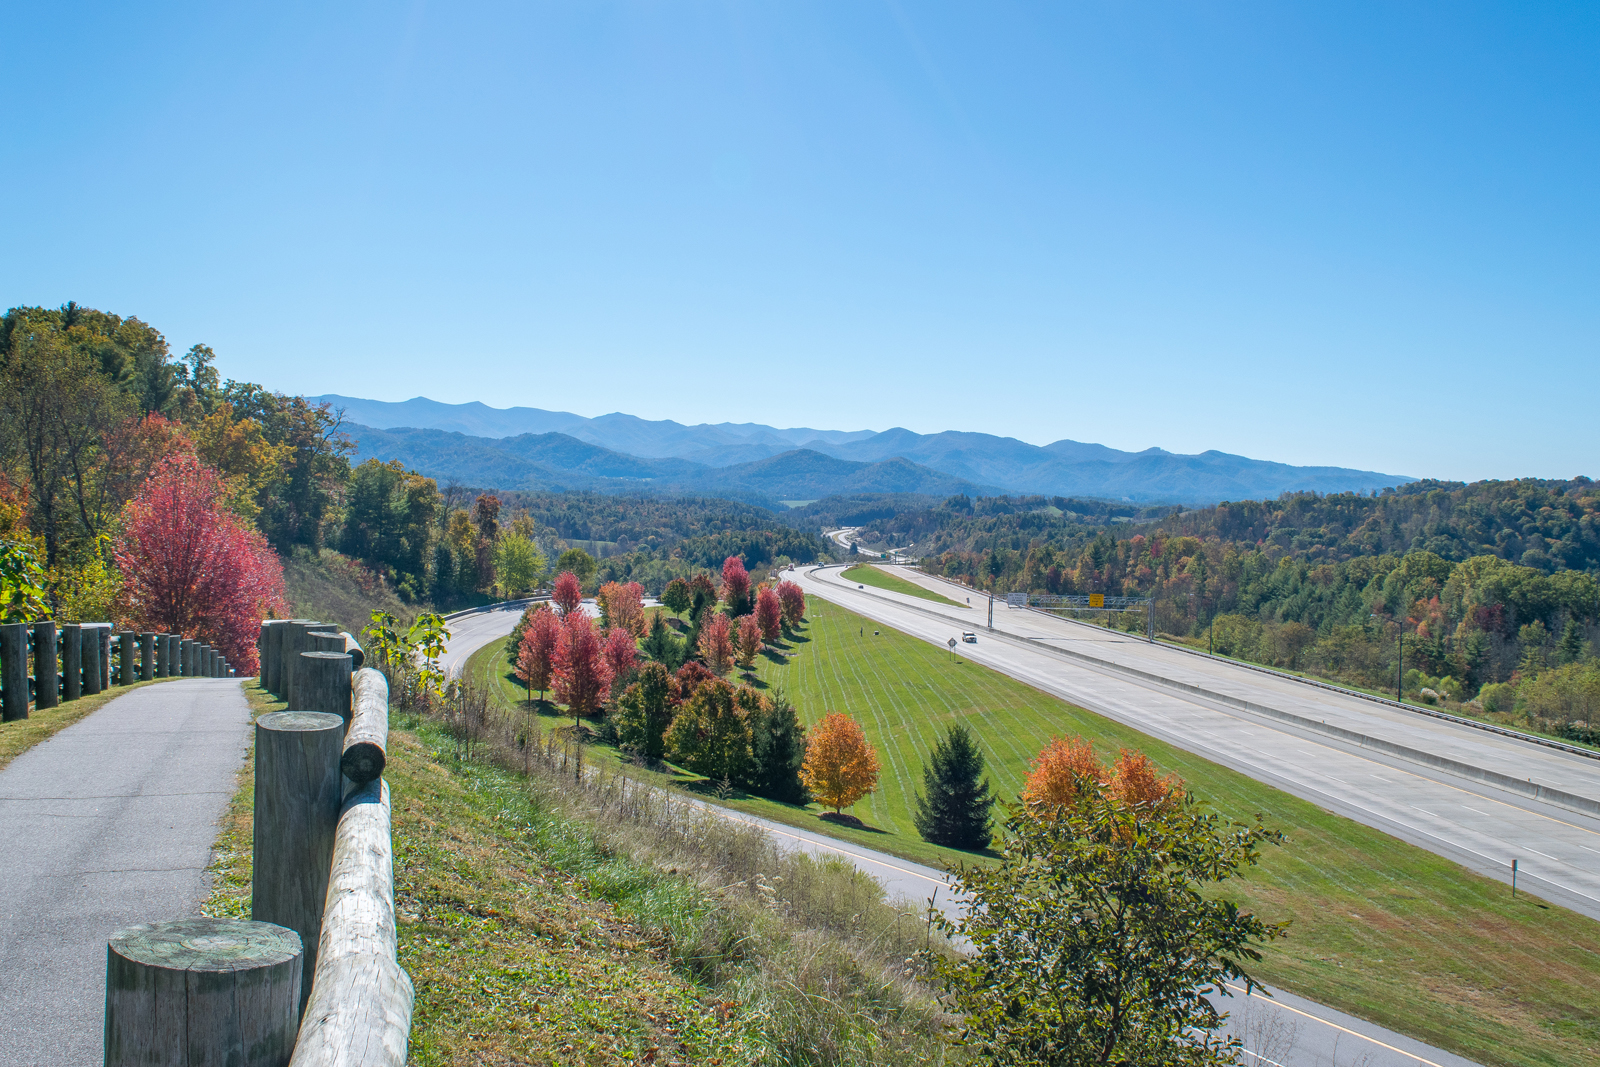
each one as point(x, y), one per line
point(529, 448)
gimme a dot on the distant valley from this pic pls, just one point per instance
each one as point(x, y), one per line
point(529, 448)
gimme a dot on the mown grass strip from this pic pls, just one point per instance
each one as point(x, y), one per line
point(866, 574)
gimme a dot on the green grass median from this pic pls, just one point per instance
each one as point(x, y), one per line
point(878, 578)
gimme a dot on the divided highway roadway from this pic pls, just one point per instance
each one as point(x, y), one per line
point(1480, 825)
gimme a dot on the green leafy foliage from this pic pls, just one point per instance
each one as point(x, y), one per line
point(22, 584)
point(1094, 940)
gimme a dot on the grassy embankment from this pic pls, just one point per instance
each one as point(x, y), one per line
point(19, 736)
point(1381, 928)
point(546, 923)
point(866, 574)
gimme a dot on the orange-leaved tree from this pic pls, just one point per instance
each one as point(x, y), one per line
point(1135, 782)
point(716, 644)
point(622, 606)
point(1062, 769)
point(749, 641)
point(840, 766)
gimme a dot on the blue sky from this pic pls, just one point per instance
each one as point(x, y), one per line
point(1362, 235)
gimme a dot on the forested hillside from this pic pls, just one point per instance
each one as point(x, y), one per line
point(1492, 587)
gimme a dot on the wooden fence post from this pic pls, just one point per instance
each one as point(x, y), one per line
point(163, 657)
point(297, 794)
point(174, 645)
point(186, 655)
point(147, 657)
point(203, 993)
point(71, 661)
point(89, 641)
point(322, 683)
point(13, 671)
point(271, 655)
point(127, 666)
point(103, 632)
point(294, 643)
point(46, 674)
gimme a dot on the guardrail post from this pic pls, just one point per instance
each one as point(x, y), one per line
point(46, 673)
point(297, 793)
point(89, 641)
point(202, 991)
point(127, 667)
point(322, 683)
point(147, 657)
point(13, 671)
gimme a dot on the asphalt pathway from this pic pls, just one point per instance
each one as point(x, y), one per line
point(1281, 1031)
point(107, 824)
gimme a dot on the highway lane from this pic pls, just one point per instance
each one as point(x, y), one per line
point(1283, 1031)
point(1480, 826)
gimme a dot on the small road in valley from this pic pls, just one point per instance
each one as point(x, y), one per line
point(1284, 1031)
point(107, 824)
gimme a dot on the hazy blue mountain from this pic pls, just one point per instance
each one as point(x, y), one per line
point(519, 450)
point(560, 461)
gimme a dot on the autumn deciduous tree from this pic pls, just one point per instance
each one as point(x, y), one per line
point(702, 594)
point(749, 643)
point(735, 586)
point(840, 766)
point(1136, 784)
point(622, 605)
point(568, 592)
point(1099, 938)
point(677, 596)
point(794, 603)
point(622, 656)
point(644, 711)
point(710, 735)
point(190, 567)
point(582, 676)
point(688, 678)
point(769, 613)
point(716, 644)
point(536, 658)
point(1058, 773)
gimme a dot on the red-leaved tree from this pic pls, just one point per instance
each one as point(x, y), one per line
point(749, 641)
point(716, 643)
point(189, 567)
point(582, 675)
point(568, 593)
point(735, 586)
point(536, 659)
point(769, 613)
point(622, 656)
point(794, 603)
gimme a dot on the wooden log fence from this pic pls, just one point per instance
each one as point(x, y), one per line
point(322, 879)
point(44, 663)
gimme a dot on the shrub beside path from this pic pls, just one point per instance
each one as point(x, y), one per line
point(106, 824)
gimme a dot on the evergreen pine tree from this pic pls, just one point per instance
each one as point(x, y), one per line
point(661, 646)
point(955, 809)
point(1572, 642)
point(779, 747)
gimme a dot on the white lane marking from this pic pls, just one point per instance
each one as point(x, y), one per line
point(1424, 811)
point(1336, 1026)
point(1586, 848)
point(1485, 814)
point(1546, 855)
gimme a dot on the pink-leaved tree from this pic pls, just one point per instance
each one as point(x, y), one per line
point(769, 613)
point(735, 586)
point(190, 567)
point(716, 643)
point(568, 593)
point(793, 599)
point(536, 659)
point(582, 676)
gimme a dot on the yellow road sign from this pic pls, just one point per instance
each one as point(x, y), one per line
point(1097, 600)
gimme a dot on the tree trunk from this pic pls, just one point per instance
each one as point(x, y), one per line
point(367, 740)
point(13, 671)
point(322, 683)
point(46, 672)
point(202, 993)
point(297, 794)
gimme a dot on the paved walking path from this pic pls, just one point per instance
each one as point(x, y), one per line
point(107, 824)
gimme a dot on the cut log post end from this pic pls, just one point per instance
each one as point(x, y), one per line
point(203, 992)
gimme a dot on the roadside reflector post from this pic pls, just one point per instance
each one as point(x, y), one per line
point(1513, 877)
